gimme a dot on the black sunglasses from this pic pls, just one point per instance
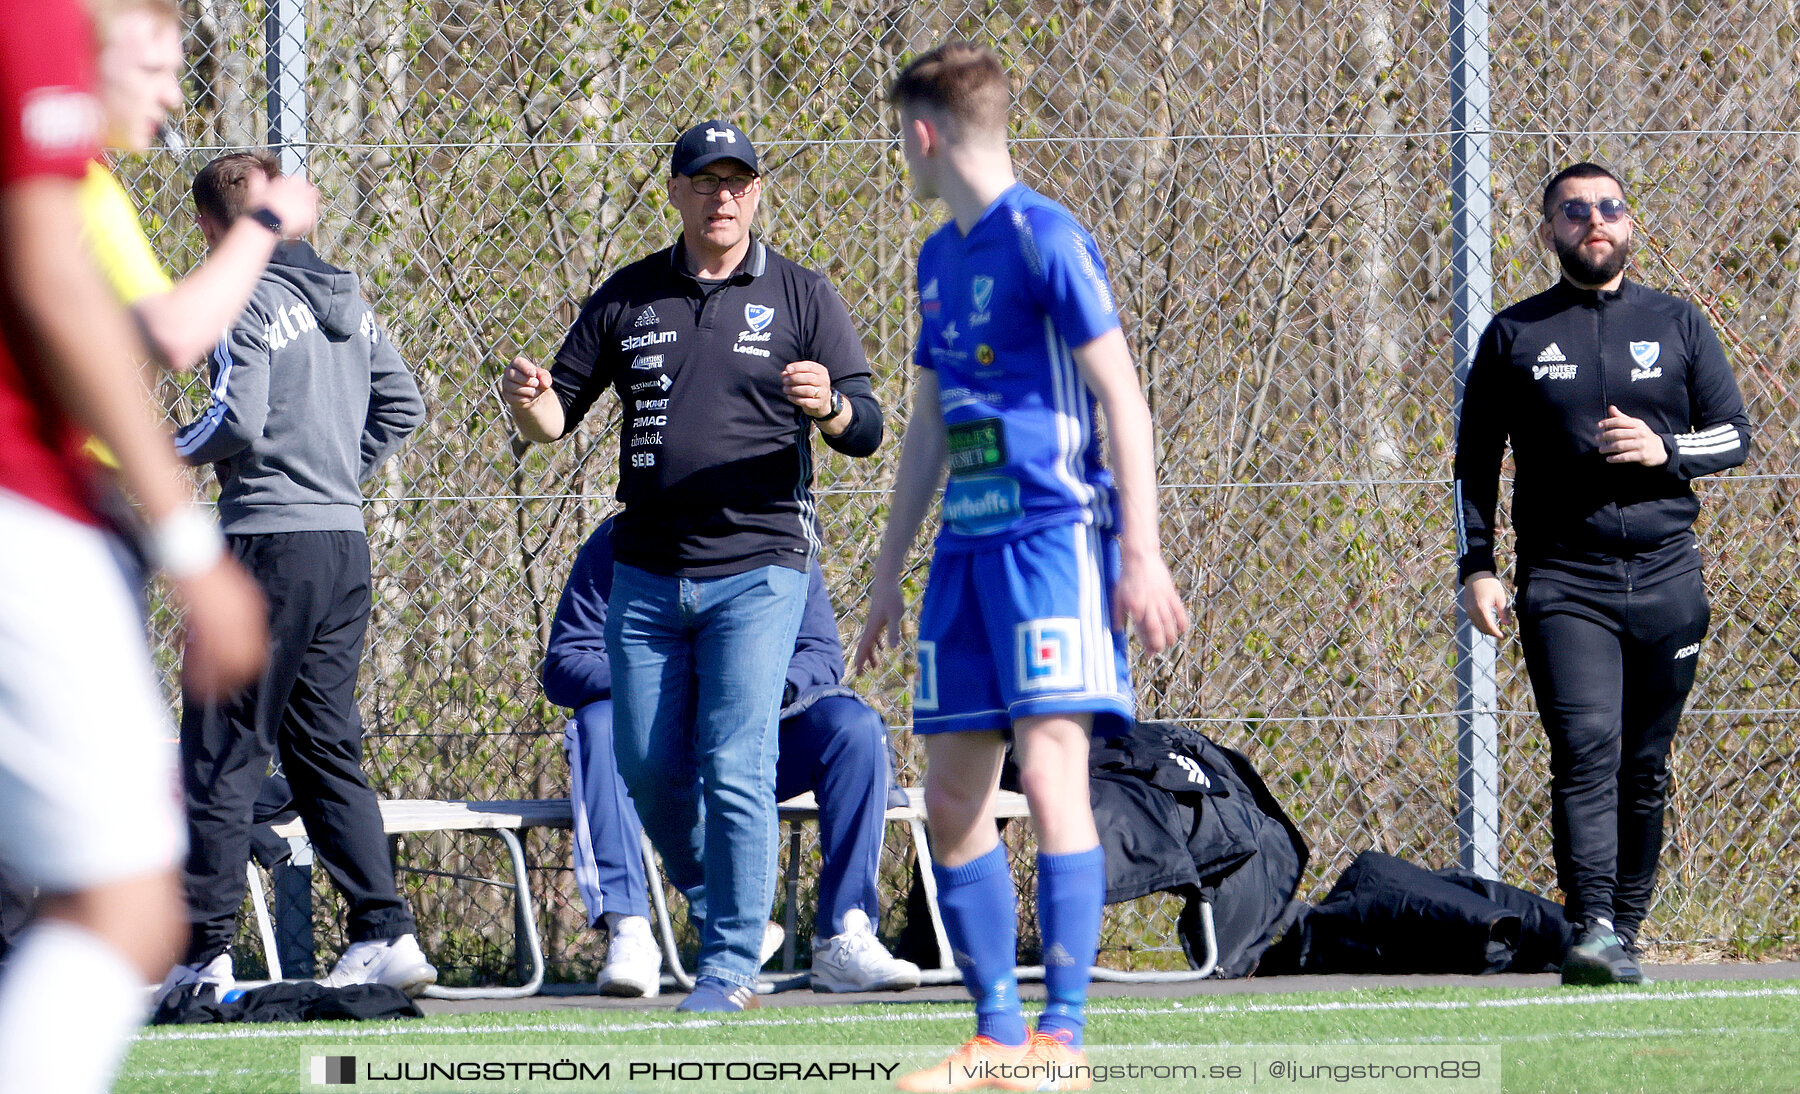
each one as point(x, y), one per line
point(1578, 211)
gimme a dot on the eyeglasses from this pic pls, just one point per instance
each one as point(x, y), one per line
point(711, 184)
point(1577, 211)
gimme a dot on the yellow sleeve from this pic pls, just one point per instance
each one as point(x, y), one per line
point(115, 241)
point(109, 227)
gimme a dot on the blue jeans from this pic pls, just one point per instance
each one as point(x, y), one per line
point(698, 668)
point(837, 748)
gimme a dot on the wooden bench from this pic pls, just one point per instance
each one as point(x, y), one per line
point(507, 820)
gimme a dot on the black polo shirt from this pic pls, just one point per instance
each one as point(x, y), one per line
point(715, 465)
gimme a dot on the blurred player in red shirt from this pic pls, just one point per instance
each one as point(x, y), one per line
point(87, 793)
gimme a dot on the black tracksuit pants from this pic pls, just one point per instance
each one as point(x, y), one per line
point(1611, 670)
point(304, 711)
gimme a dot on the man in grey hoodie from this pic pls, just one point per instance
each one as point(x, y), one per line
point(309, 397)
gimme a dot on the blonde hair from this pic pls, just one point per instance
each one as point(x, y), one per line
point(103, 12)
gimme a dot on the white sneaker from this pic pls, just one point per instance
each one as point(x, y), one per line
point(773, 935)
point(633, 961)
point(213, 976)
point(396, 962)
point(857, 961)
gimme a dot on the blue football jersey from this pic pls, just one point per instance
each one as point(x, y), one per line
point(1001, 308)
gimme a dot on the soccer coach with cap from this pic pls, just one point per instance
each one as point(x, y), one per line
point(725, 357)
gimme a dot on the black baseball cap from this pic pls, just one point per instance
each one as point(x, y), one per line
point(709, 142)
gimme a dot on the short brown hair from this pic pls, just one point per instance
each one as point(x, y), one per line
point(221, 186)
point(1582, 170)
point(961, 81)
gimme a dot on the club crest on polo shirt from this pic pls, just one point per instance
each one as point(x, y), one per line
point(1049, 654)
point(1644, 356)
point(758, 317)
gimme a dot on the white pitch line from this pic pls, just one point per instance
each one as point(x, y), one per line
point(1502, 1039)
point(1558, 1000)
point(962, 1013)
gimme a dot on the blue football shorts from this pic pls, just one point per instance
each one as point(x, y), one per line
point(1023, 628)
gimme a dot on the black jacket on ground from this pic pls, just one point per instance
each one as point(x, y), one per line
point(1386, 915)
point(290, 1001)
point(1178, 811)
point(1543, 376)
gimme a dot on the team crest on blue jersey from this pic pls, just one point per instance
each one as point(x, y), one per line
point(1645, 353)
point(982, 294)
point(759, 316)
point(1049, 654)
point(925, 683)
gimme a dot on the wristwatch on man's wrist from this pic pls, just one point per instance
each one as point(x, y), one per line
point(837, 406)
point(266, 217)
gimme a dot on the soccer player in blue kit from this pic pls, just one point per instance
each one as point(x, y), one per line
point(1040, 564)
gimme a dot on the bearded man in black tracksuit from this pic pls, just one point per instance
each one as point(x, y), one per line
point(1614, 397)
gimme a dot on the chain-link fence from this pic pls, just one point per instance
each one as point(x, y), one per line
point(1270, 182)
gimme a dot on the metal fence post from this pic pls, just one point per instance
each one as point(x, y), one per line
point(1472, 285)
point(284, 32)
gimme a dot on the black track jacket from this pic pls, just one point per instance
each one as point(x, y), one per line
point(1543, 376)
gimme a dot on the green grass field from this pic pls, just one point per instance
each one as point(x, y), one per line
point(1727, 1037)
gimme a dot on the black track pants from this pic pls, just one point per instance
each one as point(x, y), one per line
point(1611, 671)
point(304, 711)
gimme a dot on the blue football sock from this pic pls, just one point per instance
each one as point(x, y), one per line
point(1071, 893)
point(981, 920)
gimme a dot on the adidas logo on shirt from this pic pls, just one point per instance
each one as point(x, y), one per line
point(1552, 364)
point(645, 318)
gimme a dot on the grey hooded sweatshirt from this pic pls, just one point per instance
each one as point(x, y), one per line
point(309, 398)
